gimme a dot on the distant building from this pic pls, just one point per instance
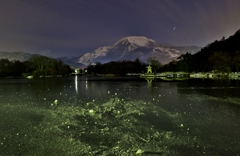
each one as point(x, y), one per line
point(76, 71)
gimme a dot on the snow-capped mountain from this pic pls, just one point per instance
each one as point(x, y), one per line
point(21, 56)
point(127, 48)
point(71, 61)
point(130, 48)
point(91, 57)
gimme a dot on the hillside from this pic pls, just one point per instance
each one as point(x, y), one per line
point(224, 51)
point(21, 56)
point(218, 56)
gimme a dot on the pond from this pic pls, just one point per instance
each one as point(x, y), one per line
point(119, 116)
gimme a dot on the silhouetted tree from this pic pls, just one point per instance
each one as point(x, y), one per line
point(5, 69)
point(153, 61)
point(42, 65)
point(221, 61)
point(17, 68)
point(236, 61)
point(185, 62)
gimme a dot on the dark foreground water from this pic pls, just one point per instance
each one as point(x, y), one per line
point(94, 116)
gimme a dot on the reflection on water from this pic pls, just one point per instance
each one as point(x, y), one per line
point(86, 84)
point(118, 117)
point(76, 83)
point(149, 81)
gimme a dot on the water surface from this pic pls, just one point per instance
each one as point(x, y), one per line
point(118, 116)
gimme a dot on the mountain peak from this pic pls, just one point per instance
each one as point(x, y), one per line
point(136, 40)
point(132, 47)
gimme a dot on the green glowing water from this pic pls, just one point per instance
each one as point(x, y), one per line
point(72, 116)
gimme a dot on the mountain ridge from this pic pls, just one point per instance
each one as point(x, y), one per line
point(127, 48)
point(20, 56)
point(132, 47)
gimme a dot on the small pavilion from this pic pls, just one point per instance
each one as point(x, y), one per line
point(149, 69)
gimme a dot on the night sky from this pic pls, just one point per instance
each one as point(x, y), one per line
point(73, 27)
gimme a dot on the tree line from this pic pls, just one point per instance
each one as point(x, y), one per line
point(123, 67)
point(218, 56)
point(35, 66)
point(117, 67)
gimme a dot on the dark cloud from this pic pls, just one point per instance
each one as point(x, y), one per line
point(59, 28)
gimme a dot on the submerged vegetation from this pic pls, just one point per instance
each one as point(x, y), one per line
point(115, 127)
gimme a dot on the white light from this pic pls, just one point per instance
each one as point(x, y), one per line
point(76, 83)
point(55, 102)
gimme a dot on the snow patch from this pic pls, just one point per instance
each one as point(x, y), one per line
point(136, 40)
